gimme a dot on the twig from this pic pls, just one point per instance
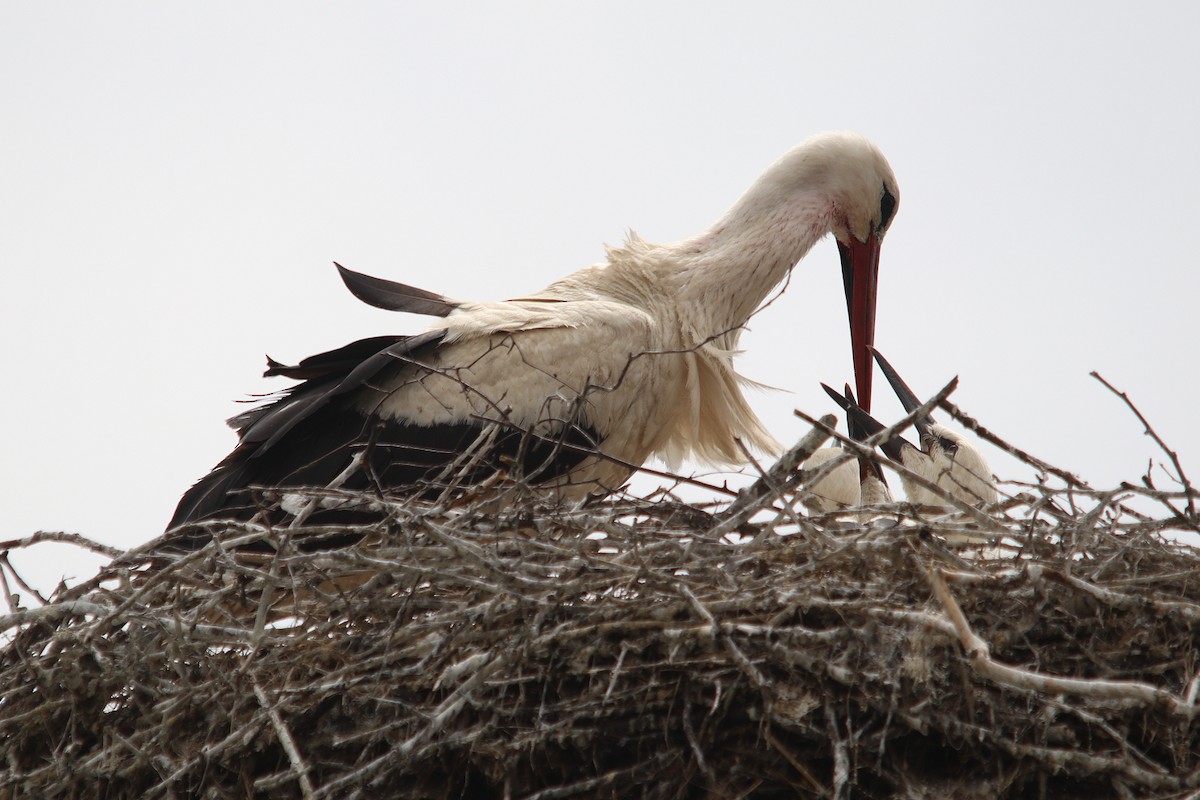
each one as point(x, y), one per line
point(299, 766)
point(841, 754)
point(51, 613)
point(11, 598)
point(310, 505)
point(1189, 611)
point(1183, 479)
point(779, 479)
point(803, 771)
point(973, 425)
point(715, 630)
point(65, 538)
point(689, 732)
point(5, 564)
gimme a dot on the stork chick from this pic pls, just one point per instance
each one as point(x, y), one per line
point(857, 481)
point(945, 458)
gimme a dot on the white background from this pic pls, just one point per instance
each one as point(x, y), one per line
point(176, 179)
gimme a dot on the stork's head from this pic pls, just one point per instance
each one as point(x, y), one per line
point(845, 182)
point(835, 183)
point(859, 183)
point(864, 198)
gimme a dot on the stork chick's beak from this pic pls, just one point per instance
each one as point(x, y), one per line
point(860, 273)
point(907, 397)
point(863, 426)
point(866, 467)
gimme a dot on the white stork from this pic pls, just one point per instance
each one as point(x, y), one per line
point(945, 458)
point(856, 481)
point(574, 387)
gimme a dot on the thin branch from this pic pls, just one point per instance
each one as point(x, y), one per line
point(973, 425)
point(299, 766)
point(6, 565)
point(803, 771)
point(51, 613)
point(1183, 479)
point(65, 538)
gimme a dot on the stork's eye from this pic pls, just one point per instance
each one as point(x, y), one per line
point(949, 446)
point(887, 207)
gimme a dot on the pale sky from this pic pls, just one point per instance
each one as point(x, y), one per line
point(175, 181)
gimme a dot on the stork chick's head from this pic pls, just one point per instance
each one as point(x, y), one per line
point(945, 457)
point(953, 463)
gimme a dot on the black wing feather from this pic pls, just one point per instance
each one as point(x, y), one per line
point(392, 296)
point(308, 436)
point(333, 362)
point(261, 428)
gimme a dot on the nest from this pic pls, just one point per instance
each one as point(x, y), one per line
point(634, 647)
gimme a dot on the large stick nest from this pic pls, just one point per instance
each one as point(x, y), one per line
point(630, 648)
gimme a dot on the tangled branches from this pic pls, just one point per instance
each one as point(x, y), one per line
point(630, 648)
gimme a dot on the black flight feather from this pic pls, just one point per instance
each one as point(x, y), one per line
point(333, 362)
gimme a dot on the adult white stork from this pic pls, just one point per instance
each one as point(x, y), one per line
point(575, 386)
point(946, 458)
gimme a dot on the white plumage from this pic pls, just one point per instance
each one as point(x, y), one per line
point(632, 358)
point(840, 488)
point(854, 481)
point(949, 460)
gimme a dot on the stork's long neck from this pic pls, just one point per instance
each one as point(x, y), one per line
point(729, 269)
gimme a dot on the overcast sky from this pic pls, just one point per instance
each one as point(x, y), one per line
point(175, 180)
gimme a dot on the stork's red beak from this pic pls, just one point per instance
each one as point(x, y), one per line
point(860, 271)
